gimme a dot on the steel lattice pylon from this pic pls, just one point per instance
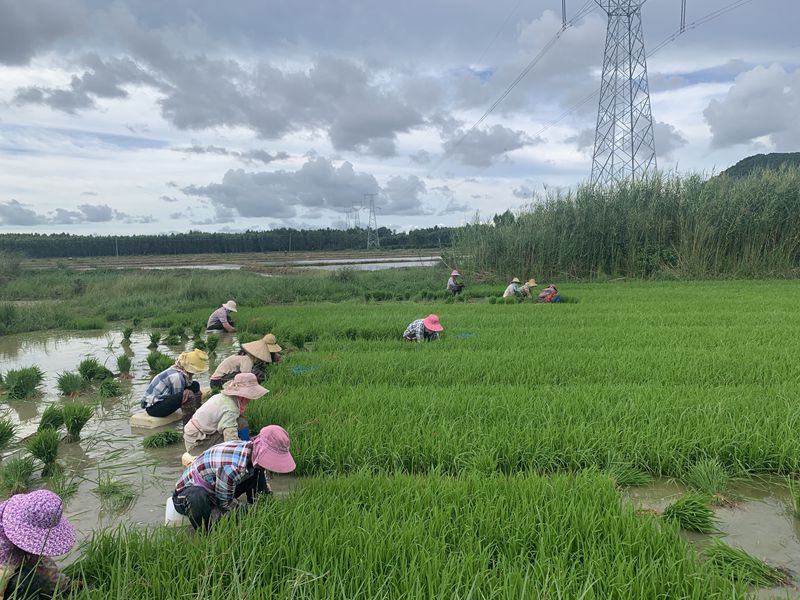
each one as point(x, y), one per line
point(373, 241)
point(624, 147)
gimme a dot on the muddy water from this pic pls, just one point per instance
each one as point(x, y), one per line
point(108, 445)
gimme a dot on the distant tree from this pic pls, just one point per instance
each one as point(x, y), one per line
point(758, 162)
point(507, 218)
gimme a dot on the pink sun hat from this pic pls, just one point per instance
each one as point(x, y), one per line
point(244, 385)
point(271, 450)
point(10, 555)
point(455, 274)
point(431, 323)
point(35, 523)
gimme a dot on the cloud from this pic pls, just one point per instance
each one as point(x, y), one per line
point(583, 140)
point(523, 192)
point(402, 196)
point(247, 156)
point(168, 199)
point(14, 213)
point(481, 147)
point(420, 157)
point(29, 27)
point(668, 139)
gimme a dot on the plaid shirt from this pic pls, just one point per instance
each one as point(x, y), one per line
point(416, 331)
point(218, 319)
point(165, 384)
point(219, 469)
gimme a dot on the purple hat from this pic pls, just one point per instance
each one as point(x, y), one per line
point(35, 522)
point(10, 555)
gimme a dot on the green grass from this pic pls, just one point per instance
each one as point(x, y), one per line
point(365, 537)
point(738, 565)
point(162, 439)
point(115, 495)
point(22, 383)
point(7, 431)
point(43, 445)
point(71, 383)
point(692, 512)
point(52, 418)
point(16, 475)
point(75, 418)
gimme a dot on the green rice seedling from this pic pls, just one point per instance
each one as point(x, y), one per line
point(70, 383)
point(110, 388)
point(159, 362)
point(692, 513)
point(7, 431)
point(155, 337)
point(23, 383)
point(162, 439)
point(43, 445)
point(624, 474)
point(16, 475)
point(64, 484)
point(126, 335)
point(124, 366)
point(52, 418)
point(738, 565)
point(200, 344)
point(197, 330)
point(177, 331)
point(114, 495)
point(709, 477)
point(75, 418)
point(211, 343)
point(91, 370)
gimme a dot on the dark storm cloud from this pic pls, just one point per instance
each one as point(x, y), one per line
point(30, 26)
point(247, 156)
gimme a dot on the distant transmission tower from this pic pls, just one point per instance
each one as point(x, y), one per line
point(373, 241)
point(357, 216)
point(624, 146)
point(347, 219)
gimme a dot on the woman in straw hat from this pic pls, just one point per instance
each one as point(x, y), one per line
point(173, 389)
point(252, 357)
point(453, 285)
point(220, 319)
point(526, 288)
point(220, 418)
point(513, 288)
point(221, 474)
point(423, 330)
point(32, 530)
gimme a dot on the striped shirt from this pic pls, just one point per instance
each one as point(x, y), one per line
point(416, 331)
point(218, 319)
point(218, 470)
point(165, 384)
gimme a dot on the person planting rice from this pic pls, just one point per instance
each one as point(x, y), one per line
point(173, 388)
point(550, 294)
point(252, 357)
point(525, 290)
point(32, 530)
point(216, 478)
point(423, 330)
point(513, 288)
point(220, 418)
point(453, 284)
point(220, 319)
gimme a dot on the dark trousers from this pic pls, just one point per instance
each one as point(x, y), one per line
point(197, 504)
point(171, 403)
point(27, 584)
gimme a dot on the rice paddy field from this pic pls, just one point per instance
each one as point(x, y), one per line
point(497, 462)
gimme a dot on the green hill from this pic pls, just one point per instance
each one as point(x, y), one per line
point(759, 162)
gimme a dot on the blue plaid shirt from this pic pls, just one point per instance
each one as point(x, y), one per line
point(165, 384)
point(219, 469)
point(416, 331)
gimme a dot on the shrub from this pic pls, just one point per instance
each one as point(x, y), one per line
point(52, 418)
point(71, 384)
point(691, 513)
point(7, 430)
point(162, 439)
point(43, 445)
point(23, 383)
point(75, 418)
point(16, 475)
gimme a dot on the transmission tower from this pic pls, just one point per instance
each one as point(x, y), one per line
point(357, 216)
point(624, 146)
point(347, 219)
point(373, 241)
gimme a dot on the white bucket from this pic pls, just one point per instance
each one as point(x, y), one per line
point(172, 517)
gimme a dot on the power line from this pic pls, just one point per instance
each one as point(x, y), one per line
point(499, 31)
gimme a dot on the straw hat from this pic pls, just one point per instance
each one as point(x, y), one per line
point(193, 362)
point(455, 274)
point(35, 523)
point(515, 280)
point(262, 349)
point(431, 323)
point(244, 385)
point(271, 450)
point(230, 305)
point(531, 283)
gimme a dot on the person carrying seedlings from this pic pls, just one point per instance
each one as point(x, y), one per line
point(173, 388)
point(252, 357)
point(550, 294)
point(220, 475)
point(453, 285)
point(423, 330)
point(32, 530)
point(220, 418)
point(526, 288)
point(220, 319)
point(513, 288)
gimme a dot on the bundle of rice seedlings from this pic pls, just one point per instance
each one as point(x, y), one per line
point(110, 388)
point(162, 439)
point(66, 486)
point(52, 418)
point(71, 384)
point(43, 445)
point(197, 330)
point(7, 430)
point(177, 331)
point(737, 564)
point(126, 335)
point(155, 337)
point(75, 418)
point(124, 365)
point(692, 513)
point(625, 474)
point(159, 362)
point(710, 477)
point(91, 370)
point(16, 475)
point(114, 495)
point(200, 344)
point(22, 383)
point(172, 340)
point(211, 343)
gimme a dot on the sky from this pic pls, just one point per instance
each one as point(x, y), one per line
point(145, 116)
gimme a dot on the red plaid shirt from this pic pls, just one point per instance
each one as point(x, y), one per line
point(219, 469)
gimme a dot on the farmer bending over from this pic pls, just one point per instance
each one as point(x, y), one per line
point(525, 290)
point(252, 357)
point(221, 474)
point(32, 530)
point(423, 330)
point(513, 288)
point(220, 319)
point(173, 389)
point(220, 418)
point(550, 294)
point(453, 284)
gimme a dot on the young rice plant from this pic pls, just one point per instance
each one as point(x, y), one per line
point(162, 439)
point(75, 418)
point(692, 513)
point(52, 418)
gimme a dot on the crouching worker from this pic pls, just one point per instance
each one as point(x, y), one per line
point(527, 287)
point(220, 319)
point(32, 530)
point(253, 357)
point(216, 479)
point(173, 389)
point(550, 294)
point(423, 330)
point(220, 418)
point(454, 286)
point(513, 288)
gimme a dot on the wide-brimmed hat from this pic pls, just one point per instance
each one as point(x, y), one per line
point(10, 555)
point(263, 348)
point(455, 274)
point(431, 323)
point(193, 362)
point(531, 283)
point(515, 280)
point(230, 305)
point(244, 385)
point(35, 523)
point(271, 450)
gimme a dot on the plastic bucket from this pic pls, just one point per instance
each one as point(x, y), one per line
point(172, 517)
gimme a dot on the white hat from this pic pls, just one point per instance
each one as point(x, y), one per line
point(230, 305)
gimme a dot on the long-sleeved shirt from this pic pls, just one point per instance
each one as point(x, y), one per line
point(452, 284)
point(416, 331)
point(218, 414)
point(219, 320)
point(165, 384)
point(218, 470)
point(238, 363)
point(511, 290)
